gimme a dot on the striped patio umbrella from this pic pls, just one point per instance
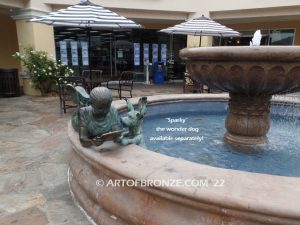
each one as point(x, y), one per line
point(87, 15)
point(201, 26)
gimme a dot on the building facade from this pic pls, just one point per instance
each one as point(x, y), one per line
point(279, 21)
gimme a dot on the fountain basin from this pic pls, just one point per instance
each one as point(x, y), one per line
point(243, 70)
point(251, 75)
point(245, 198)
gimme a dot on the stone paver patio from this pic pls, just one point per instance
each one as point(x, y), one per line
point(34, 156)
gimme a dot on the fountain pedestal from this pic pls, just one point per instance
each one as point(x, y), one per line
point(247, 122)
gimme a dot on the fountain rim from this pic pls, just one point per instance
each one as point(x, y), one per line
point(242, 53)
point(231, 197)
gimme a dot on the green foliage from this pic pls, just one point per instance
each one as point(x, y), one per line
point(42, 67)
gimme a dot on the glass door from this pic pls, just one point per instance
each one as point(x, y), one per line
point(122, 53)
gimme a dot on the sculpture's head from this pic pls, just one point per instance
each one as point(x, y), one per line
point(101, 98)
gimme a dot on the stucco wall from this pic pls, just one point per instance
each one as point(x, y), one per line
point(8, 43)
point(39, 36)
point(191, 7)
point(185, 5)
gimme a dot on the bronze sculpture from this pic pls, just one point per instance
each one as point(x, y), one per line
point(98, 122)
point(133, 121)
point(81, 98)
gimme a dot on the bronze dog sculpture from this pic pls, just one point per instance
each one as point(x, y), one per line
point(133, 121)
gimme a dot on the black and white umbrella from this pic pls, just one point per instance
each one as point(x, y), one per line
point(202, 26)
point(87, 15)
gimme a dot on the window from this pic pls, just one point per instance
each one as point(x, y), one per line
point(282, 37)
point(269, 37)
point(113, 51)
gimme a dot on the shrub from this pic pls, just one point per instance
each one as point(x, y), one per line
point(43, 69)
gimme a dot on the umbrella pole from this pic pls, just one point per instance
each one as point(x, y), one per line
point(200, 41)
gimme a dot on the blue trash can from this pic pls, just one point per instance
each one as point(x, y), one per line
point(159, 72)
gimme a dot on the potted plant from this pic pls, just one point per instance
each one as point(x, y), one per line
point(43, 69)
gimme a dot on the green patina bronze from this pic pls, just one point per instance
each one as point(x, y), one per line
point(81, 98)
point(97, 120)
point(100, 121)
point(133, 121)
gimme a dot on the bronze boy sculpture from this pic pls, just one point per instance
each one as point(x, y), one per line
point(99, 121)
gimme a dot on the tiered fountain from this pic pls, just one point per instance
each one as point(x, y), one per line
point(227, 196)
point(251, 75)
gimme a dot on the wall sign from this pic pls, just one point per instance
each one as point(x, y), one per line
point(74, 53)
point(63, 52)
point(154, 53)
point(136, 54)
point(85, 53)
point(163, 53)
point(146, 53)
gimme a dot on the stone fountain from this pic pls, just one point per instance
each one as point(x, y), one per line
point(115, 186)
point(251, 75)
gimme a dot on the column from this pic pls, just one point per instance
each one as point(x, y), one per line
point(39, 36)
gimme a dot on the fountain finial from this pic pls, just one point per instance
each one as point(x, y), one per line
point(256, 39)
